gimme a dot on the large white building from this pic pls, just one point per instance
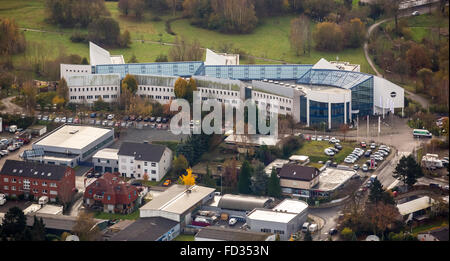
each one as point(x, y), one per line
point(284, 219)
point(331, 93)
point(177, 203)
point(69, 145)
point(139, 159)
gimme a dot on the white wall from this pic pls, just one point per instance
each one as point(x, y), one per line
point(383, 88)
point(67, 70)
point(90, 94)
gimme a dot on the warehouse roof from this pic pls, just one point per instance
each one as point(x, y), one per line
point(415, 205)
point(226, 234)
point(178, 199)
point(270, 215)
point(72, 137)
point(59, 222)
point(145, 229)
point(291, 206)
point(242, 202)
point(33, 170)
point(142, 151)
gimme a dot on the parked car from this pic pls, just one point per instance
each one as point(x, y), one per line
point(313, 138)
point(97, 175)
point(365, 168)
point(333, 231)
point(139, 119)
point(39, 117)
point(152, 119)
point(110, 123)
point(90, 175)
point(57, 120)
point(415, 13)
point(329, 152)
point(158, 120)
point(146, 119)
point(373, 146)
point(363, 144)
point(167, 183)
point(338, 146)
point(327, 138)
point(320, 138)
point(110, 117)
point(45, 118)
point(93, 115)
point(356, 167)
point(70, 120)
point(232, 221)
point(164, 120)
point(367, 153)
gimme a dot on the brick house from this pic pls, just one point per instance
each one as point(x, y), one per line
point(37, 179)
point(111, 194)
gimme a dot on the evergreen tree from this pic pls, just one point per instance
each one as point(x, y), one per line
point(259, 181)
point(376, 191)
point(244, 181)
point(14, 225)
point(38, 230)
point(274, 189)
point(408, 170)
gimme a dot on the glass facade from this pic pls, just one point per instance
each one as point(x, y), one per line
point(362, 97)
point(303, 104)
point(257, 72)
point(337, 115)
point(318, 112)
point(184, 69)
point(336, 78)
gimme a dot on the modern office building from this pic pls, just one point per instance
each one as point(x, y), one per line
point(331, 93)
point(69, 145)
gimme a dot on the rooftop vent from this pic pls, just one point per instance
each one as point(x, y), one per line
point(20, 171)
point(49, 174)
point(35, 173)
point(43, 173)
point(294, 173)
point(14, 170)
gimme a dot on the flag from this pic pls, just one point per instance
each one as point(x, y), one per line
point(379, 123)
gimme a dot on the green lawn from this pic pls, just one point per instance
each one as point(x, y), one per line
point(314, 149)
point(269, 40)
point(183, 237)
point(433, 224)
point(109, 216)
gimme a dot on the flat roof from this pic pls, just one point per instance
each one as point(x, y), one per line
point(415, 205)
point(73, 136)
point(242, 202)
point(270, 215)
point(278, 163)
point(177, 200)
point(332, 178)
point(145, 229)
point(253, 139)
point(107, 153)
point(227, 234)
point(292, 206)
point(51, 209)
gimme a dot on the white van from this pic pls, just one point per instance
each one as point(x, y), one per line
point(313, 228)
point(43, 200)
point(305, 227)
point(2, 199)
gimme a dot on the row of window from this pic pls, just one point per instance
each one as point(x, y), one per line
point(157, 97)
point(90, 97)
point(67, 70)
point(156, 89)
point(267, 96)
point(35, 191)
point(27, 182)
point(92, 89)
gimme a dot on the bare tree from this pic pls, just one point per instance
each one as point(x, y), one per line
point(85, 227)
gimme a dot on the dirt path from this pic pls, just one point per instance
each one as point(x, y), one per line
point(10, 107)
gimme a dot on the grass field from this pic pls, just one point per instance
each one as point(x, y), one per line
point(183, 237)
point(269, 40)
point(314, 149)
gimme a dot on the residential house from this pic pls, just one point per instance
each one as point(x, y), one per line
point(111, 194)
point(37, 179)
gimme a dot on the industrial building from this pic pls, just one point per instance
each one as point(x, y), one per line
point(331, 93)
point(212, 233)
point(69, 145)
point(106, 160)
point(284, 219)
point(177, 203)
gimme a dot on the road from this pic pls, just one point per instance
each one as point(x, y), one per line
point(423, 10)
point(329, 215)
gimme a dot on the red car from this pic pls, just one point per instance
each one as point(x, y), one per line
point(363, 144)
point(307, 137)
